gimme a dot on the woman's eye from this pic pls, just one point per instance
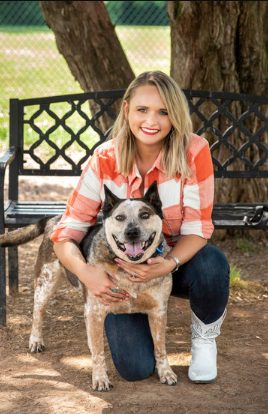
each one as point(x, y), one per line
point(142, 109)
point(144, 216)
point(163, 113)
point(120, 217)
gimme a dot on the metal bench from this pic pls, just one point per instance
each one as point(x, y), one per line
point(239, 150)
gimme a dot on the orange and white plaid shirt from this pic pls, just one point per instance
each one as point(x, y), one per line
point(186, 204)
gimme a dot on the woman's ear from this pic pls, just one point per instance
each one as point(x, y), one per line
point(125, 106)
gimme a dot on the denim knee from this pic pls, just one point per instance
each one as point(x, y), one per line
point(213, 269)
point(210, 285)
point(131, 345)
point(135, 371)
point(204, 280)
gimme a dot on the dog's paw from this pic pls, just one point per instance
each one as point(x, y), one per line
point(101, 382)
point(168, 377)
point(36, 344)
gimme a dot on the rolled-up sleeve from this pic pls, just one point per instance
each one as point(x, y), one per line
point(82, 207)
point(198, 192)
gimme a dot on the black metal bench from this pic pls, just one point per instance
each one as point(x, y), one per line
point(235, 125)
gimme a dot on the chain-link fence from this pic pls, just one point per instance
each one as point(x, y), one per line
point(32, 66)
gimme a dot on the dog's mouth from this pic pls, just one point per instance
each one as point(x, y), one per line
point(134, 250)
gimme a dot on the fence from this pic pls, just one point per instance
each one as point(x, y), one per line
point(32, 66)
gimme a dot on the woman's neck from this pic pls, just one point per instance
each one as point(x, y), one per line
point(145, 159)
point(148, 154)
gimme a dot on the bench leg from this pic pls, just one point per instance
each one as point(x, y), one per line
point(13, 270)
point(2, 287)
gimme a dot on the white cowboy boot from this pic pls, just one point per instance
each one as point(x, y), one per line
point(203, 367)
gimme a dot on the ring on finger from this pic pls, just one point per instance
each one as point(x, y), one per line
point(133, 275)
point(115, 289)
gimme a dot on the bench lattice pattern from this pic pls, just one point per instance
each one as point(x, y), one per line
point(64, 132)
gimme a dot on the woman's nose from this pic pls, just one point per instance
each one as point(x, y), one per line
point(151, 119)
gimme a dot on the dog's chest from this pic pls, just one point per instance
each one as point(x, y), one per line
point(143, 303)
point(144, 297)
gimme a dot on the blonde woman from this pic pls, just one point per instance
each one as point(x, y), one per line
point(152, 140)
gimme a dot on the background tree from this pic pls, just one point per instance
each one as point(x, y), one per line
point(87, 40)
point(215, 45)
point(222, 46)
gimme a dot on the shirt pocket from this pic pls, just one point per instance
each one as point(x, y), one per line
point(172, 221)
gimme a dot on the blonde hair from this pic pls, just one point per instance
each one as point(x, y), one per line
point(175, 144)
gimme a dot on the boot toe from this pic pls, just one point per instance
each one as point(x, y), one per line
point(199, 376)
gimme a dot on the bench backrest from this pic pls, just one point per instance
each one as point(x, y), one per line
point(56, 135)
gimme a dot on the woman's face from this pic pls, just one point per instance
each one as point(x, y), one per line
point(147, 116)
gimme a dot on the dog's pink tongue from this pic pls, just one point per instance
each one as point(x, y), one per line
point(133, 249)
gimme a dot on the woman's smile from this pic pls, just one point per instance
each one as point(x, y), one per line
point(149, 131)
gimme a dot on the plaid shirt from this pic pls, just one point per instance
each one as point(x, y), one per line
point(186, 204)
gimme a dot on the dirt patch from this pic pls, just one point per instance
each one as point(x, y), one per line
point(58, 380)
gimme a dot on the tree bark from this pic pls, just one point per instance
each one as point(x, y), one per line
point(87, 40)
point(222, 46)
point(219, 45)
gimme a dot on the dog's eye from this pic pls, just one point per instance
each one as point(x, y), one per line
point(120, 217)
point(144, 215)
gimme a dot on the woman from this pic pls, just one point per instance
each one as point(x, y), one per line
point(152, 140)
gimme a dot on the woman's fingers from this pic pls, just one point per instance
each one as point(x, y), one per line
point(132, 269)
point(113, 294)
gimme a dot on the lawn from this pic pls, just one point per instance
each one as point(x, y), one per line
point(31, 65)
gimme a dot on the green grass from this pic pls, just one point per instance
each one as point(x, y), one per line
point(147, 48)
point(246, 245)
point(237, 283)
point(31, 65)
point(235, 275)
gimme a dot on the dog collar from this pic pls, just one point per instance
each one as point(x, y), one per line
point(159, 250)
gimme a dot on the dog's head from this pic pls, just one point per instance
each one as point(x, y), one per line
point(133, 227)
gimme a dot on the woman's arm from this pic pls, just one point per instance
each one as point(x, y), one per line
point(187, 246)
point(92, 276)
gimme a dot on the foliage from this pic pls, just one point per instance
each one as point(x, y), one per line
point(29, 13)
point(127, 12)
point(151, 13)
point(235, 275)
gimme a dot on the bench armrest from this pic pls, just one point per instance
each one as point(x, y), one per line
point(5, 160)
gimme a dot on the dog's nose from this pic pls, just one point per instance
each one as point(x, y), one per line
point(132, 233)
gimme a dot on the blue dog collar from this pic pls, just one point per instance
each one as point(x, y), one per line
point(160, 249)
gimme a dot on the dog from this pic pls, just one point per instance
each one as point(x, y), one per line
point(132, 231)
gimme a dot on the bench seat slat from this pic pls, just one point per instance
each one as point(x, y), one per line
point(224, 215)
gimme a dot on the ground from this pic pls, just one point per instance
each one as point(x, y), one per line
point(58, 380)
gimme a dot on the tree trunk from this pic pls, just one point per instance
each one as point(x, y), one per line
point(87, 40)
point(221, 46)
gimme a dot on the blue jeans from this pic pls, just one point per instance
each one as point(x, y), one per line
point(204, 280)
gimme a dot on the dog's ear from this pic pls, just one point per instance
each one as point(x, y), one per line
point(152, 197)
point(110, 201)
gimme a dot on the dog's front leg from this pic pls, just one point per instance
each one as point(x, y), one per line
point(158, 322)
point(46, 284)
point(94, 318)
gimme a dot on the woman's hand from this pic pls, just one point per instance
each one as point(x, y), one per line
point(153, 268)
point(101, 286)
point(93, 277)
